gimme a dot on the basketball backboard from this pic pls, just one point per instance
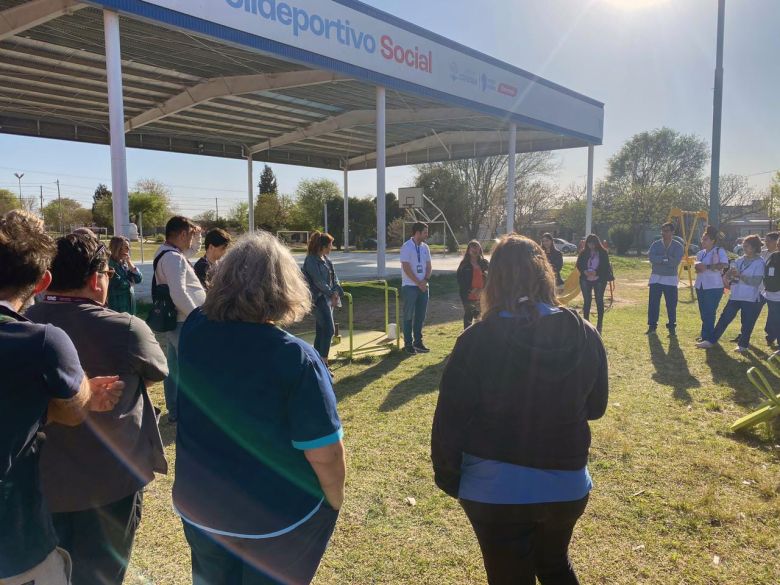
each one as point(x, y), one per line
point(410, 197)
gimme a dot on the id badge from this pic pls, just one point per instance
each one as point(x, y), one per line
point(419, 269)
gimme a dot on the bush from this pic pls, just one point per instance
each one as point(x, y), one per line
point(622, 236)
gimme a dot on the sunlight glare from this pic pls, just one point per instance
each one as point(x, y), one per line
point(634, 4)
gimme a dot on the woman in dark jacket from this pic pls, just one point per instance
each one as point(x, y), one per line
point(595, 273)
point(554, 257)
point(121, 296)
point(513, 446)
point(325, 289)
point(472, 275)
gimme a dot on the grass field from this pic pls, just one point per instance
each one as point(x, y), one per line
point(678, 499)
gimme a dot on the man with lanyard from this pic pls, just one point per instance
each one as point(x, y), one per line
point(665, 256)
point(93, 475)
point(172, 268)
point(42, 382)
point(416, 272)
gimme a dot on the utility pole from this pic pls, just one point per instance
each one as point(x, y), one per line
point(19, 178)
point(716, 119)
point(216, 205)
point(41, 186)
point(59, 204)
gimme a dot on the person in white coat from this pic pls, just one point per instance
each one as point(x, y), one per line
point(710, 262)
point(745, 279)
point(173, 268)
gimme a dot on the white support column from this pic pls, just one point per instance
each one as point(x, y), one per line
point(380, 182)
point(250, 192)
point(116, 117)
point(346, 207)
point(510, 180)
point(589, 203)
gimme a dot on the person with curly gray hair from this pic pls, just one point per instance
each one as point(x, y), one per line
point(260, 460)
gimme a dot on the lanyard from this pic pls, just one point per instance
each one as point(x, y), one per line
point(49, 298)
point(416, 247)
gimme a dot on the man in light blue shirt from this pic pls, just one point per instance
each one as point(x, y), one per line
point(665, 256)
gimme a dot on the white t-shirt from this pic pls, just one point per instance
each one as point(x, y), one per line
point(754, 267)
point(710, 279)
point(417, 257)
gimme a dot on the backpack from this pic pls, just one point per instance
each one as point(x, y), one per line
point(772, 272)
point(162, 316)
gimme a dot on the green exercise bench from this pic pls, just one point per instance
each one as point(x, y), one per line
point(770, 408)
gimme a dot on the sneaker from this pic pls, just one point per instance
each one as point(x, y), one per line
point(704, 344)
point(409, 349)
point(420, 348)
point(769, 341)
point(650, 331)
point(698, 339)
point(740, 349)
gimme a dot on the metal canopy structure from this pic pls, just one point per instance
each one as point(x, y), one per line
point(295, 82)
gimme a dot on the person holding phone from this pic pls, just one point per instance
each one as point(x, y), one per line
point(744, 279)
point(121, 294)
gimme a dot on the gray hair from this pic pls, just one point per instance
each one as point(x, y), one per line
point(257, 281)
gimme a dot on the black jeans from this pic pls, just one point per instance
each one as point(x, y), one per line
point(100, 540)
point(289, 559)
point(521, 542)
point(470, 312)
point(589, 288)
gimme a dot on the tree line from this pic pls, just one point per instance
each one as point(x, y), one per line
point(652, 172)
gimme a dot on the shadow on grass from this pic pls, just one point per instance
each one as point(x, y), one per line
point(355, 383)
point(423, 382)
point(732, 372)
point(753, 437)
point(671, 368)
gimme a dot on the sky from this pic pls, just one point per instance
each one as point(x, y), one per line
point(651, 62)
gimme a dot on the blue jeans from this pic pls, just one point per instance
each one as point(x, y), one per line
point(773, 320)
point(325, 328)
point(669, 293)
point(415, 307)
point(288, 559)
point(708, 299)
point(171, 382)
point(750, 312)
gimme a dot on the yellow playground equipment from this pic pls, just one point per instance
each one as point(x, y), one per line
point(571, 290)
point(686, 224)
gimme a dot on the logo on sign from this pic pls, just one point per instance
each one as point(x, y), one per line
point(507, 89)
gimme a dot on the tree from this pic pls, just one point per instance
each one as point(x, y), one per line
point(238, 217)
point(152, 198)
point(310, 198)
point(272, 211)
point(267, 184)
point(773, 199)
point(483, 181)
point(534, 202)
point(650, 174)
point(8, 201)
point(445, 186)
point(154, 208)
point(73, 214)
point(103, 207)
point(737, 197)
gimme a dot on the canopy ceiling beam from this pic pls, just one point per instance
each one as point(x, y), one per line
point(30, 14)
point(436, 140)
point(230, 86)
point(361, 118)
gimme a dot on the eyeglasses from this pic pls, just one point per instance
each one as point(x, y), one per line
point(110, 271)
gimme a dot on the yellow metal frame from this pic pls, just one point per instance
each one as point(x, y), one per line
point(687, 236)
point(352, 351)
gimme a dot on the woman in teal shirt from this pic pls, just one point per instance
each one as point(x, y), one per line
point(121, 297)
